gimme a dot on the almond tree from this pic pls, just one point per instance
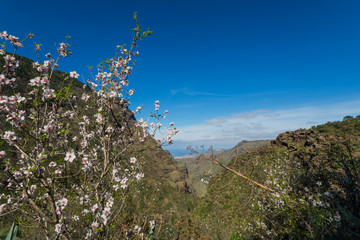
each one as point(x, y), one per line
point(69, 160)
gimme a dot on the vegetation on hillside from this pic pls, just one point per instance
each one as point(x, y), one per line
point(315, 175)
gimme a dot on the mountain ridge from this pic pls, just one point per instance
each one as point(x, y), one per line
point(200, 170)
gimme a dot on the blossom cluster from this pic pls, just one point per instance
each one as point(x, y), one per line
point(304, 205)
point(13, 40)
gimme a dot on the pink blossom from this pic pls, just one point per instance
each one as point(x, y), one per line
point(139, 176)
point(74, 74)
point(110, 202)
point(137, 228)
point(37, 48)
point(152, 223)
point(4, 35)
point(52, 164)
point(47, 63)
point(85, 97)
point(41, 69)
point(70, 156)
point(44, 81)
point(63, 202)
point(2, 207)
point(35, 82)
point(33, 187)
point(157, 105)
point(49, 93)
point(58, 228)
point(85, 212)
point(2, 78)
point(110, 129)
point(133, 160)
point(113, 94)
point(41, 156)
point(35, 64)
point(94, 208)
point(106, 211)
point(99, 118)
point(94, 225)
point(10, 136)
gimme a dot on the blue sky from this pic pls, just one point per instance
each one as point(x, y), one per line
point(225, 70)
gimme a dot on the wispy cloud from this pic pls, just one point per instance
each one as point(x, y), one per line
point(189, 92)
point(227, 131)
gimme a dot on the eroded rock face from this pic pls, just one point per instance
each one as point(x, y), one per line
point(310, 145)
point(159, 164)
point(308, 138)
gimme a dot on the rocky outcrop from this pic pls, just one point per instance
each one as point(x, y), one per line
point(159, 164)
point(311, 145)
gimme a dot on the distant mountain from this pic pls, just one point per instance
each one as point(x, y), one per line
point(207, 153)
point(201, 170)
point(240, 148)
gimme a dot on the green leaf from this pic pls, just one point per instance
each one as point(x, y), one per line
point(13, 232)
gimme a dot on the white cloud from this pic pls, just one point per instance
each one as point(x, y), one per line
point(227, 131)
